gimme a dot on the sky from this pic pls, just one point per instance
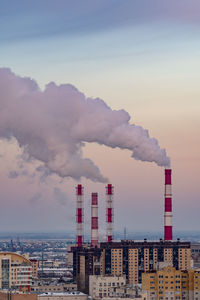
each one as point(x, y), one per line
point(141, 56)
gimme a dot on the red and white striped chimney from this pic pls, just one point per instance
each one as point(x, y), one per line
point(79, 214)
point(94, 220)
point(109, 212)
point(168, 206)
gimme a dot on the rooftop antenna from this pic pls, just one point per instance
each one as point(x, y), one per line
point(124, 233)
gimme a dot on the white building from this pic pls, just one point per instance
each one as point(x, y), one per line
point(104, 286)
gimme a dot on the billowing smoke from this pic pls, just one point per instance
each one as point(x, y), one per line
point(61, 197)
point(52, 126)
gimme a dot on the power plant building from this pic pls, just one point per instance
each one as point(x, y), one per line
point(126, 258)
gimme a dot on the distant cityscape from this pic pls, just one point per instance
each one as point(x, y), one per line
point(70, 235)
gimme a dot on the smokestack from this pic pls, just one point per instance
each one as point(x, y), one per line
point(79, 214)
point(94, 220)
point(109, 212)
point(168, 206)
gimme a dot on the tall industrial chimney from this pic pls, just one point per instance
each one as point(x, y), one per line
point(94, 220)
point(79, 214)
point(109, 212)
point(168, 206)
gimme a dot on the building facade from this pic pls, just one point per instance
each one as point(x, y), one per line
point(34, 263)
point(195, 252)
point(103, 286)
point(15, 272)
point(12, 295)
point(42, 288)
point(170, 283)
point(63, 296)
point(127, 258)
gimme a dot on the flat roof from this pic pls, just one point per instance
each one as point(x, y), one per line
point(76, 293)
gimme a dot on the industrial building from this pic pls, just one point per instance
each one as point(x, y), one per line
point(126, 258)
point(169, 283)
point(15, 272)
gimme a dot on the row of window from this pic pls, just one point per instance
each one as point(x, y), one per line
point(111, 283)
point(177, 276)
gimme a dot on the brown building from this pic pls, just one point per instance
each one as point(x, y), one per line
point(169, 283)
point(7, 295)
point(127, 258)
point(34, 263)
point(70, 254)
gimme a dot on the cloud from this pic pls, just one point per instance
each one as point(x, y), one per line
point(13, 174)
point(61, 197)
point(52, 126)
point(35, 198)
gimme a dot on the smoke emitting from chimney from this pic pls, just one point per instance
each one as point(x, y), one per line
point(52, 126)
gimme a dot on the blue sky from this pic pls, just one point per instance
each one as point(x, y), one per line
point(74, 35)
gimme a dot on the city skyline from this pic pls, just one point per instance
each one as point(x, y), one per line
point(140, 57)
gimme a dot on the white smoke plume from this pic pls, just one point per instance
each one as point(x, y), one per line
point(53, 125)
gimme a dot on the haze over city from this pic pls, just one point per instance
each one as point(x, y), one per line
point(129, 62)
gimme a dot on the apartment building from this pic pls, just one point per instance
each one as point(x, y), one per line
point(15, 272)
point(34, 263)
point(169, 283)
point(127, 258)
